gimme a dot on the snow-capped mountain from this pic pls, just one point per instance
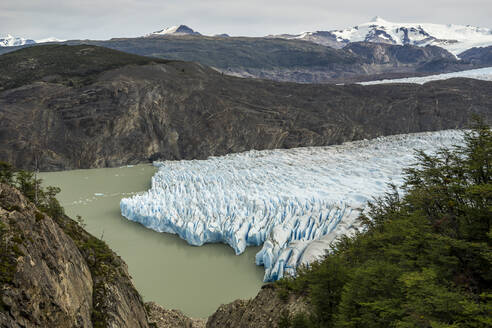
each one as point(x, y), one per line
point(12, 41)
point(176, 30)
point(454, 38)
point(50, 39)
point(324, 38)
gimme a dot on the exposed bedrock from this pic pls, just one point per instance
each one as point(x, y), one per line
point(54, 274)
point(183, 111)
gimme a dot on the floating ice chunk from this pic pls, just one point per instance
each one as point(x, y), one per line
point(295, 202)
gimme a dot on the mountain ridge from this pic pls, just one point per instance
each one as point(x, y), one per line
point(454, 38)
point(136, 112)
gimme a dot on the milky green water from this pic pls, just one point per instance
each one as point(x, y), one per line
point(165, 269)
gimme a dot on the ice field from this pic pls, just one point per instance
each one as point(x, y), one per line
point(294, 202)
point(479, 74)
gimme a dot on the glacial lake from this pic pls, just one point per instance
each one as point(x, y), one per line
point(164, 268)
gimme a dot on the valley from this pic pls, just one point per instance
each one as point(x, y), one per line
point(179, 179)
point(129, 109)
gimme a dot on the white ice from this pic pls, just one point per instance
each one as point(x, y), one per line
point(479, 74)
point(293, 202)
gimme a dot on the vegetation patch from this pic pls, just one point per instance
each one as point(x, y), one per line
point(68, 65)
point(424, 257)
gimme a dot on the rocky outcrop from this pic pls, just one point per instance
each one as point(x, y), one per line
point(162, 318)
point(54, 274)
point(180, 110)
point(49, 284)
point(478, 56)
point(265, 310)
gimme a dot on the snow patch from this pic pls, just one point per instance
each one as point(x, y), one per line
point(13, 41)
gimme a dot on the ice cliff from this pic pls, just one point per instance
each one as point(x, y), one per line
point(294, 202)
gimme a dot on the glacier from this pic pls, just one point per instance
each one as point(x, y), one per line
point(294, 202)
point(454, 38)
point(484, 74)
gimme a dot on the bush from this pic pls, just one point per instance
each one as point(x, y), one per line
point(6, 173)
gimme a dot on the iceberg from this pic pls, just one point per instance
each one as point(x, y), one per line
point(294, 202)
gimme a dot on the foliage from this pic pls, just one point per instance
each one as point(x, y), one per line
point(44, 199)
point(424, 258)
point(6, 173)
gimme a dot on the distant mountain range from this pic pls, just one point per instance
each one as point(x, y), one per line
point(454, 38)
point(14, 41)
point(371, 51)
point(85, 106)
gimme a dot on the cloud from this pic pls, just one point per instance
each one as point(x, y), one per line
point(102, 19)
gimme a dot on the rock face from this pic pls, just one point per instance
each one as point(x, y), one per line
point(51, 285)
point(265, 310)
point(162, 318)
point(478, 56)
point(290, 60)
point(179, 110)
point(53, 273)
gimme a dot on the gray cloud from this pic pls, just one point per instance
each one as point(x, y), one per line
point(103, 19)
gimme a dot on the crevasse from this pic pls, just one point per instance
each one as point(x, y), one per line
point(294, 202)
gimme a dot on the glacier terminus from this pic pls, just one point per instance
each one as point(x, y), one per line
point(294, 202)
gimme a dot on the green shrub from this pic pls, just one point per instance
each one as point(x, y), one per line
point(424, 257)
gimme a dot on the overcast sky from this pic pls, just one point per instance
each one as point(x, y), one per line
point(103, 19)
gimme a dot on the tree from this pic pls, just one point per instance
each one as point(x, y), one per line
point(6, 173)
point(424, 257)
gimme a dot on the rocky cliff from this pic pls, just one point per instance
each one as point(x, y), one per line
point(54, 274)
point(140, 111)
